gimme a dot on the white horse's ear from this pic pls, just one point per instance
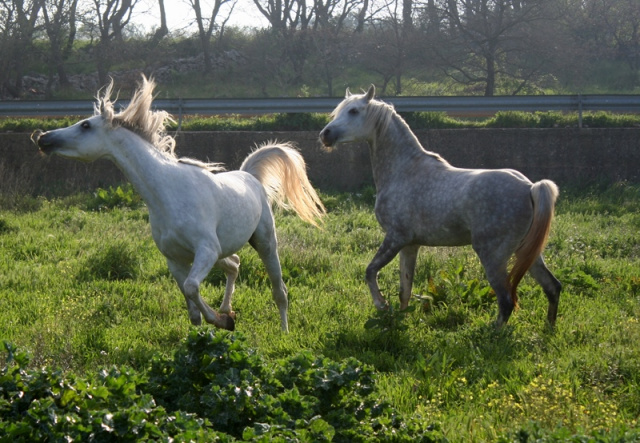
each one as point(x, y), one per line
point(347, 93)
point(371, 92)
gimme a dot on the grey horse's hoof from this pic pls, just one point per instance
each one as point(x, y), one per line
point(227, 322)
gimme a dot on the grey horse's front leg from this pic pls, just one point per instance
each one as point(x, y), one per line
point(408, 257)
point(387, 251)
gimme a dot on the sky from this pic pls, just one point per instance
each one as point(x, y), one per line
point(180, 15)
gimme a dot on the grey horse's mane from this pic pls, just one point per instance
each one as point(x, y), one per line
point(380, 115)
point(148, 124)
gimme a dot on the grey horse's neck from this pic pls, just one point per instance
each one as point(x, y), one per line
point(395, 150)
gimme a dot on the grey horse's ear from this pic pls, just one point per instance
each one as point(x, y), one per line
point(347, 93)
point(371, 92)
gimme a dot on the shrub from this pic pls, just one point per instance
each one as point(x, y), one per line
point(121, 197)
point(214, 388)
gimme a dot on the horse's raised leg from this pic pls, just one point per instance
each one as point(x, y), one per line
point(408, 257)
point(387, 251)
point(550, 285)
point(203, 261)
point(265, 243)
point(180, 271)
point(230, 266)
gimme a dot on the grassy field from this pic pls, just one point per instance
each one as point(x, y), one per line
point(83, 287)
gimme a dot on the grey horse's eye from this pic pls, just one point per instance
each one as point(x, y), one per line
point(353, 111)
point(85, 124)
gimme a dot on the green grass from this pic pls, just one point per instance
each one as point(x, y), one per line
point(84, 289)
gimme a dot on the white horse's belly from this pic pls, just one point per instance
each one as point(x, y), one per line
point(222, 217)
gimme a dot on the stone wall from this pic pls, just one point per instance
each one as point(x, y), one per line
point(563, 155)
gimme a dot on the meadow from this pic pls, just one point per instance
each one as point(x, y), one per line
point(84, 291)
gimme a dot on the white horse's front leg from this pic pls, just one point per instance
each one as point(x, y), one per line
point(203, 261)
point(230, 266)
point(180, 271)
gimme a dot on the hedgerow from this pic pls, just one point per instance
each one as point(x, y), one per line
point(316, 121)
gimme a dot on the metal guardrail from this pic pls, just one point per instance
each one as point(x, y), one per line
point(454, 105)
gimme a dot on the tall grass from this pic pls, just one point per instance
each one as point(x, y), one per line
point(82, 289)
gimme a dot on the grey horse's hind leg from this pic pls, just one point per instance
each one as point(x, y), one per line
point(550, 285)
point(408, 257)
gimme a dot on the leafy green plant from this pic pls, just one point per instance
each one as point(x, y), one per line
point(214, 387)
point(215, 375)
point(123, 196)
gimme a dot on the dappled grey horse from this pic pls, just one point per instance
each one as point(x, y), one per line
point(423, 200)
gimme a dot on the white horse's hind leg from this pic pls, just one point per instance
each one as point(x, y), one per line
point(408, 257)
point(266, 244)
point(230, 266)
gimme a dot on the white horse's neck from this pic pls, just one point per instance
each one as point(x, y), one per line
point(146, 168)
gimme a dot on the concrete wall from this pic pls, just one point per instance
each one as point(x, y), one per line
point(563, 155)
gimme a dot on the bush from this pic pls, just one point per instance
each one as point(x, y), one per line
point(214, 388)
point(121, 197)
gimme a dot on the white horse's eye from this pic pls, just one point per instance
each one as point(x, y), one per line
point(85, 124)
point(353, 111)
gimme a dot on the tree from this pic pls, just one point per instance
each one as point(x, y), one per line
point(386, 43)
point(60, 26)
point(161, 31)
point(17, 25)
point(206, 26)
point(112, 17)
point(485, 39)
point(331, 37)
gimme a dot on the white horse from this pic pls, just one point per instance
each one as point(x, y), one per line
point(199, 218)
point(423, 200)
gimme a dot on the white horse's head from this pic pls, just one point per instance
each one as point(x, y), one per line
point(91, 138)
point(83, 141)
point(351, 120)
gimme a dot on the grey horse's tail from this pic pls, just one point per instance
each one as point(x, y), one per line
point(544, 194)
point(282, 171)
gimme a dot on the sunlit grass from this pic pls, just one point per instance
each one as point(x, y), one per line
point(84, 289)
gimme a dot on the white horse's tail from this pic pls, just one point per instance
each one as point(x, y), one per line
point(282, 171)
point(544, 194)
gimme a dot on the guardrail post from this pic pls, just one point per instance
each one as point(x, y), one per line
point(580, 111)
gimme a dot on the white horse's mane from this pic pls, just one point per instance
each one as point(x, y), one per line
point(148, 124)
